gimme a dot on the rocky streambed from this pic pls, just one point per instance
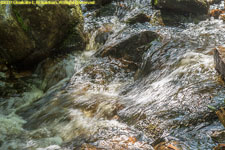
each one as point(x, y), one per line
point(146, 80)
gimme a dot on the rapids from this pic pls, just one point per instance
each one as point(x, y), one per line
point(79, 101)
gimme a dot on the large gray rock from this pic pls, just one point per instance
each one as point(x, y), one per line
point(219, 59)
point(192, 6)
point(31, 33)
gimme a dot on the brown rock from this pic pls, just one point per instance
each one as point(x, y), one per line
point(219, 147)
point(216, 13)
point(171, 145)
point(218, 136)
point(219, 59)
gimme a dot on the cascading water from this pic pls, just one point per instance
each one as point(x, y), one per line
point(80, 101)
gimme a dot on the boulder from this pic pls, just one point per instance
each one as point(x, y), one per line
point(219, 59)
point(191, 6)
point(102, 2)
point(30, 33)
point(98, 3)
point(129, 48)
point(138, 18)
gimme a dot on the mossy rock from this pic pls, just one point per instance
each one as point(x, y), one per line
point(30, 33)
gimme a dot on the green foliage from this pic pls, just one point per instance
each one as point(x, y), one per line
point(155, 2)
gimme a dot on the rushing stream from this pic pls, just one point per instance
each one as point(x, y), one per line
point(81, 101)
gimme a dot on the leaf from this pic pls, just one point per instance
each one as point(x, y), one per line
point(212, 107)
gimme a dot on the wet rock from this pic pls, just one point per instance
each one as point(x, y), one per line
point(219, 60)
point(32, 33)
point(157, 19)
point(191, 6)
point(119, 142)
point(138, 18)
point(218, 136)
point(221, 115)
point(222, 17)
point(103, 33)
point(3, 67)
point(129, 49)
point(48, 71)
point(219, 147)
point(107, 10)
point(216, 13)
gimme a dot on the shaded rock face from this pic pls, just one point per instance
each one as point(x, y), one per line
point(129, 48)
point(219, 59)
point(32, 33)
point(98, 3)
point(102, 2)
point(192, 6)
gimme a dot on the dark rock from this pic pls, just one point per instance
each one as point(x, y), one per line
point(31, 33)
point(138, 18)
point(129, 48)
point(98, 3)
point(102, 2)
point(191, 6)
point(107, 10)
point(172, 18)
point(219, 59)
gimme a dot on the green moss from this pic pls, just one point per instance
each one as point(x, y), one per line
point(155, 2)
point(20, 20)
